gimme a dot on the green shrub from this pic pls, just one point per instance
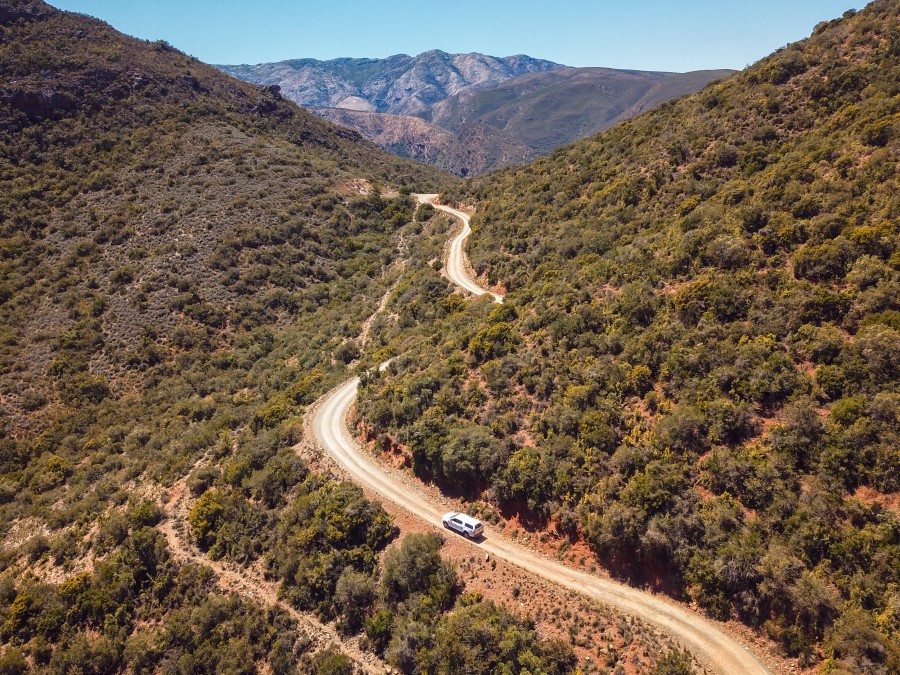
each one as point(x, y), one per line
point(674, 662)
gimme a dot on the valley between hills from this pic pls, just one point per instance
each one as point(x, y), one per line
point(248, 358)
point(328, 421)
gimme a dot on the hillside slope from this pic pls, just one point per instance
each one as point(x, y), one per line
point(470, 149)
point(147, 196)
point(402, 135)
point(695, 369)
point(186, 261)
point(517, 121)
point(544, 111)
point(521, 119)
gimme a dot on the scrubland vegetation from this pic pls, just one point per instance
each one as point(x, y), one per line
point(186, 263)
point(695, 369)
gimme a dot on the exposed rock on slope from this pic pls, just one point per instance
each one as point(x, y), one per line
point(472, 148)
point(401, 134)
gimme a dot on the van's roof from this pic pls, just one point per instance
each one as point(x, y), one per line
point(464, 518)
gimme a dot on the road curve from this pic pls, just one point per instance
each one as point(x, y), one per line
point(707, 642)
point(456, 261)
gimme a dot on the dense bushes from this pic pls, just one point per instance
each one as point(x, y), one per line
point(111, 619)
point(698, 349)
point(323, 541)
point(422, 624)
point(326, 531)
point(483, 638)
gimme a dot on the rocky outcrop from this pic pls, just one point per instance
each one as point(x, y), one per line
point(51, 95)
point(38, 104)
point(401, 134)
point(472, 149)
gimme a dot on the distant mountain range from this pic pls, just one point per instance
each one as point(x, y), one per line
point(470, 113)
point(399, 84)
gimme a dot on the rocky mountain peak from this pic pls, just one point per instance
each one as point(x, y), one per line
point(398, 84)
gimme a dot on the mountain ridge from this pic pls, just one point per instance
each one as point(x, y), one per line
point(398, 84)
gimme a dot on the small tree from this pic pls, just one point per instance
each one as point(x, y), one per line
point(416, 568)
point(354, 595)
point(205, 518)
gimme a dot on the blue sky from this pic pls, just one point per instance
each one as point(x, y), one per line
point(641, 34)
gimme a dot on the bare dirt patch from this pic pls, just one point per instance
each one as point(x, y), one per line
point(886, 500)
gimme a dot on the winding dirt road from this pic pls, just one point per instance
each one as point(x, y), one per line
point(456, 257)
point(709, 644)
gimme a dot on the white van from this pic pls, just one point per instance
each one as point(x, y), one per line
point(467, 526)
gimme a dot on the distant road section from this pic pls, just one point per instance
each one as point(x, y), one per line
point(709, 643)
point(456, 257)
